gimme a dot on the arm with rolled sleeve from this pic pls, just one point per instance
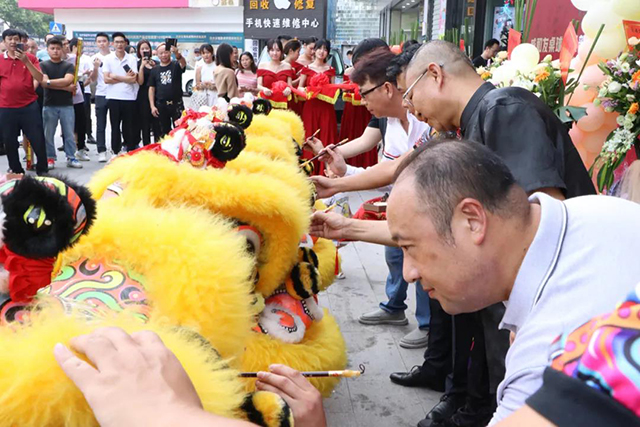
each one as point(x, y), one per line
point(517, 133)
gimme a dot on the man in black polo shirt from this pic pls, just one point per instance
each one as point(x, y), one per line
point(165, 88)
point(445, 89)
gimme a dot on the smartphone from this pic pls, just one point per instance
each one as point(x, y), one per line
point(126, 67)
point(147, 54)
point(20, 47)
point(171, 42)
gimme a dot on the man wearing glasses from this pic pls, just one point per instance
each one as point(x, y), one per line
point(447, 92)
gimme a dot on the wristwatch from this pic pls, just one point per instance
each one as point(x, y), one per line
point(48, 82)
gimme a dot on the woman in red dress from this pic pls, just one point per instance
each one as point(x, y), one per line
point(292, 53)
point(274, 71)
point(308, 51)
point(319, 112)
point(355, 119)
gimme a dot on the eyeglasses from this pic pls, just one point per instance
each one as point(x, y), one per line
point(412, 85)
point(368, 91)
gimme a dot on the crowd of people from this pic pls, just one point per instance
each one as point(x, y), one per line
point(491, 214)
point(137, 88)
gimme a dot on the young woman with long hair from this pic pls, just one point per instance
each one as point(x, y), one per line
point(319, 111)
point(276, 70)
point(146, 122)
point(308, 54)
point(292, 53)
point(205, 80)
point(224, 73)
point(247, 74)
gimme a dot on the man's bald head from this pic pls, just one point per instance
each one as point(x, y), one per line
point(443, 53)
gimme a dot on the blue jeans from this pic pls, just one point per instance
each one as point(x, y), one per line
point(396, 289)
point(51, 114)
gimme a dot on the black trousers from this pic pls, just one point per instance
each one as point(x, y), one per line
point(480, 349)
point(29, 120)
point(168, 113)
point(146, 123)
point(438, 356)
point(87, 115)
point(80, 125)
point(122, 112)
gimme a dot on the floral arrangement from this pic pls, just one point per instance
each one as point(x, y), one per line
point(619, 93)
point(544, 80)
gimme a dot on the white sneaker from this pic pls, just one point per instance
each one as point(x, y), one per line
point(82, 156)
point(102, 157)
point(74, 163)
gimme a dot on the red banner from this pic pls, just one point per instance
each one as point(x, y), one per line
point(515, 38)
point(568, 50)
point(631, 29)
point(549, 24)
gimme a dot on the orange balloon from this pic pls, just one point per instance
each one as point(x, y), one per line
point(593, 141)
point(593, 120)
point(581, 96)
point(610, 120)
point(583, 51)
point(577, 136)
point(584, 154)
point(592, 76)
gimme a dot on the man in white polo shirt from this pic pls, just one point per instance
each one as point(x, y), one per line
point(122, 89)
point(97, 75)
point(473, 239)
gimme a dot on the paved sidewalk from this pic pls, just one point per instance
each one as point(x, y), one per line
point(371, 400)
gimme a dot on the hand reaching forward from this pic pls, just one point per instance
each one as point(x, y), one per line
point(304, 399)
point(135, 379)
point(329, 225)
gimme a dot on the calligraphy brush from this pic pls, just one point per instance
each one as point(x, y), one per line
point(316, 374)
point(322, 152)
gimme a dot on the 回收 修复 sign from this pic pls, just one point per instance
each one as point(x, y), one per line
point(264, 19)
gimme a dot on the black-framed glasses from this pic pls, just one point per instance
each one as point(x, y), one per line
point(368, 91)
point(415, 82)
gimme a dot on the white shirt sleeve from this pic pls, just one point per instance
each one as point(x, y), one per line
point(353, 170)
point(515, 392)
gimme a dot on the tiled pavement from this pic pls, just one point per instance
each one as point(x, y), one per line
point(371, 400)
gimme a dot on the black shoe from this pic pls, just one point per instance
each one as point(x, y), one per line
point(444, 410)
point(468, 416)
point(415, 378)
point(42, 173)
point(91, 140)
point(61, 148)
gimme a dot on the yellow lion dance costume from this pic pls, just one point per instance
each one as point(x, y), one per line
point(196, 247)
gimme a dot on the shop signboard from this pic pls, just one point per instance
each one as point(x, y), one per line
point(265, 19)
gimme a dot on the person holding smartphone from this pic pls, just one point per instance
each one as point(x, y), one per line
point(147, 122)
point(19, 108)
point(122, 90)
point(165, 87)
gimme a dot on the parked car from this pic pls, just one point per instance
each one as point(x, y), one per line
point(335, 59)
point(188, 80)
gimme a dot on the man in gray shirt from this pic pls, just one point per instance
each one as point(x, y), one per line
point(473, 238)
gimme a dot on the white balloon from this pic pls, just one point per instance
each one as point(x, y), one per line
point(504, 74)
point(525, 57)
point(610, 44)
point(628, 9)
point(585, 5)
point(599, 14)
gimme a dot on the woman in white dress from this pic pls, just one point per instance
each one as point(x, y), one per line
point(205, 80)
